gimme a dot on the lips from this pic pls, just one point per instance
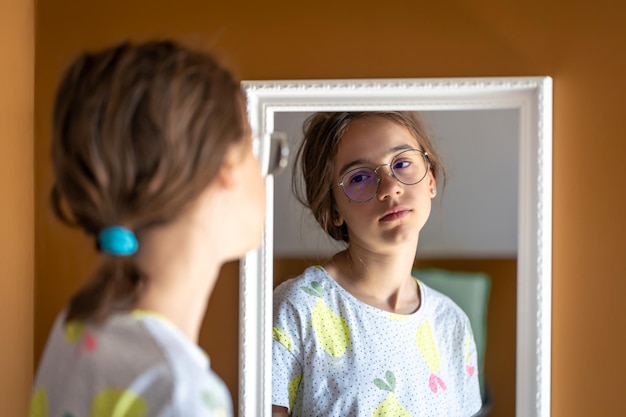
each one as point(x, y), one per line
point(395, 213)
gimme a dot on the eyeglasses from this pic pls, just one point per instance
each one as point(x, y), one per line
point(408, 167)
point(273, 151)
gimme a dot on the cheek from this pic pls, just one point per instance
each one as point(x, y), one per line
point(255, 183)
point(262, 197)
point(426, 205)
point(259, 184)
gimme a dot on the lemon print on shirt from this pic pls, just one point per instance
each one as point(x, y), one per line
point(428, 348)
point(293, 389)
point(74, 330)
point(282, 337)
point(466, 348)
point(38, 403)
point(77, 333)
point(390, 406)
point(118, 403)
point(331, 331)
point(399, 317)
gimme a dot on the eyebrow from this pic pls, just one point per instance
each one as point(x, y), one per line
point(359, 162)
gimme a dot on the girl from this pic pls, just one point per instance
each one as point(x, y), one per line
point(359, 336)
point(152, 155)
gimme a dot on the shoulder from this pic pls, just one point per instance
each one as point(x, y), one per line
point(125, 346)
point(439, 304)
point(295, 299)
point(147, 359)
point(312, 277)
point(121, 338)
point(93, 358)
point(180, 353)
point(194, 384)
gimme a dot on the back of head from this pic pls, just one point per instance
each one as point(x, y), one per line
point(139, 131)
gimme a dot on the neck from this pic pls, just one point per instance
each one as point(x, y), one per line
point(181, 277)
point(184, 305)
point(384, 281)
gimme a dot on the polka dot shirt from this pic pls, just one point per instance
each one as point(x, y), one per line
point(135, 364)
point(334, 355)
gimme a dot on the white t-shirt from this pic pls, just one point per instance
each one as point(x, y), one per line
point(135, 364)
point(334, 355)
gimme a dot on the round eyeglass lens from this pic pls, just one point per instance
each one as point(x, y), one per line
point(360, 184)
point(408, 167)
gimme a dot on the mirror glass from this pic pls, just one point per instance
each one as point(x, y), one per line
point(495, 139)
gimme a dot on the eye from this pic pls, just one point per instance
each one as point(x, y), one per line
point(402, 163)
point(359, 176)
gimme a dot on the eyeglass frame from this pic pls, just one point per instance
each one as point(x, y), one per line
point(275, 163)
point(378, 177)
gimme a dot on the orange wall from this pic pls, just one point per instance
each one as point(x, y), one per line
point(16, 204)
point(581, 47)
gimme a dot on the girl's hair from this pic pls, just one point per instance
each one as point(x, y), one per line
point(322, 134)
point(139, 131)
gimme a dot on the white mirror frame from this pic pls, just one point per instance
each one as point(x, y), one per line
point(532, 97)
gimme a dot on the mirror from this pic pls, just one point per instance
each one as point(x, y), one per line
point(525, 216)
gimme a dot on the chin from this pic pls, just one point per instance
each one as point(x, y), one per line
point(405, 231)
point(252, 246)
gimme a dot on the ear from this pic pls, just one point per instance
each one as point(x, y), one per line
point(432, 185)
point(337, 219)
point(227, 174)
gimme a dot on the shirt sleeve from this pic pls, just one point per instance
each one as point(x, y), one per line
point(471, 387)
point(287, 368)
point(286, 376)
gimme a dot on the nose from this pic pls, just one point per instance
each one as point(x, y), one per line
point(388, 185)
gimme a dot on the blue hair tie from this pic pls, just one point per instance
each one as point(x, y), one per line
point(117, 240)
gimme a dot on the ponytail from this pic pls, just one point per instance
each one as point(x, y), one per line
point(115, 286)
